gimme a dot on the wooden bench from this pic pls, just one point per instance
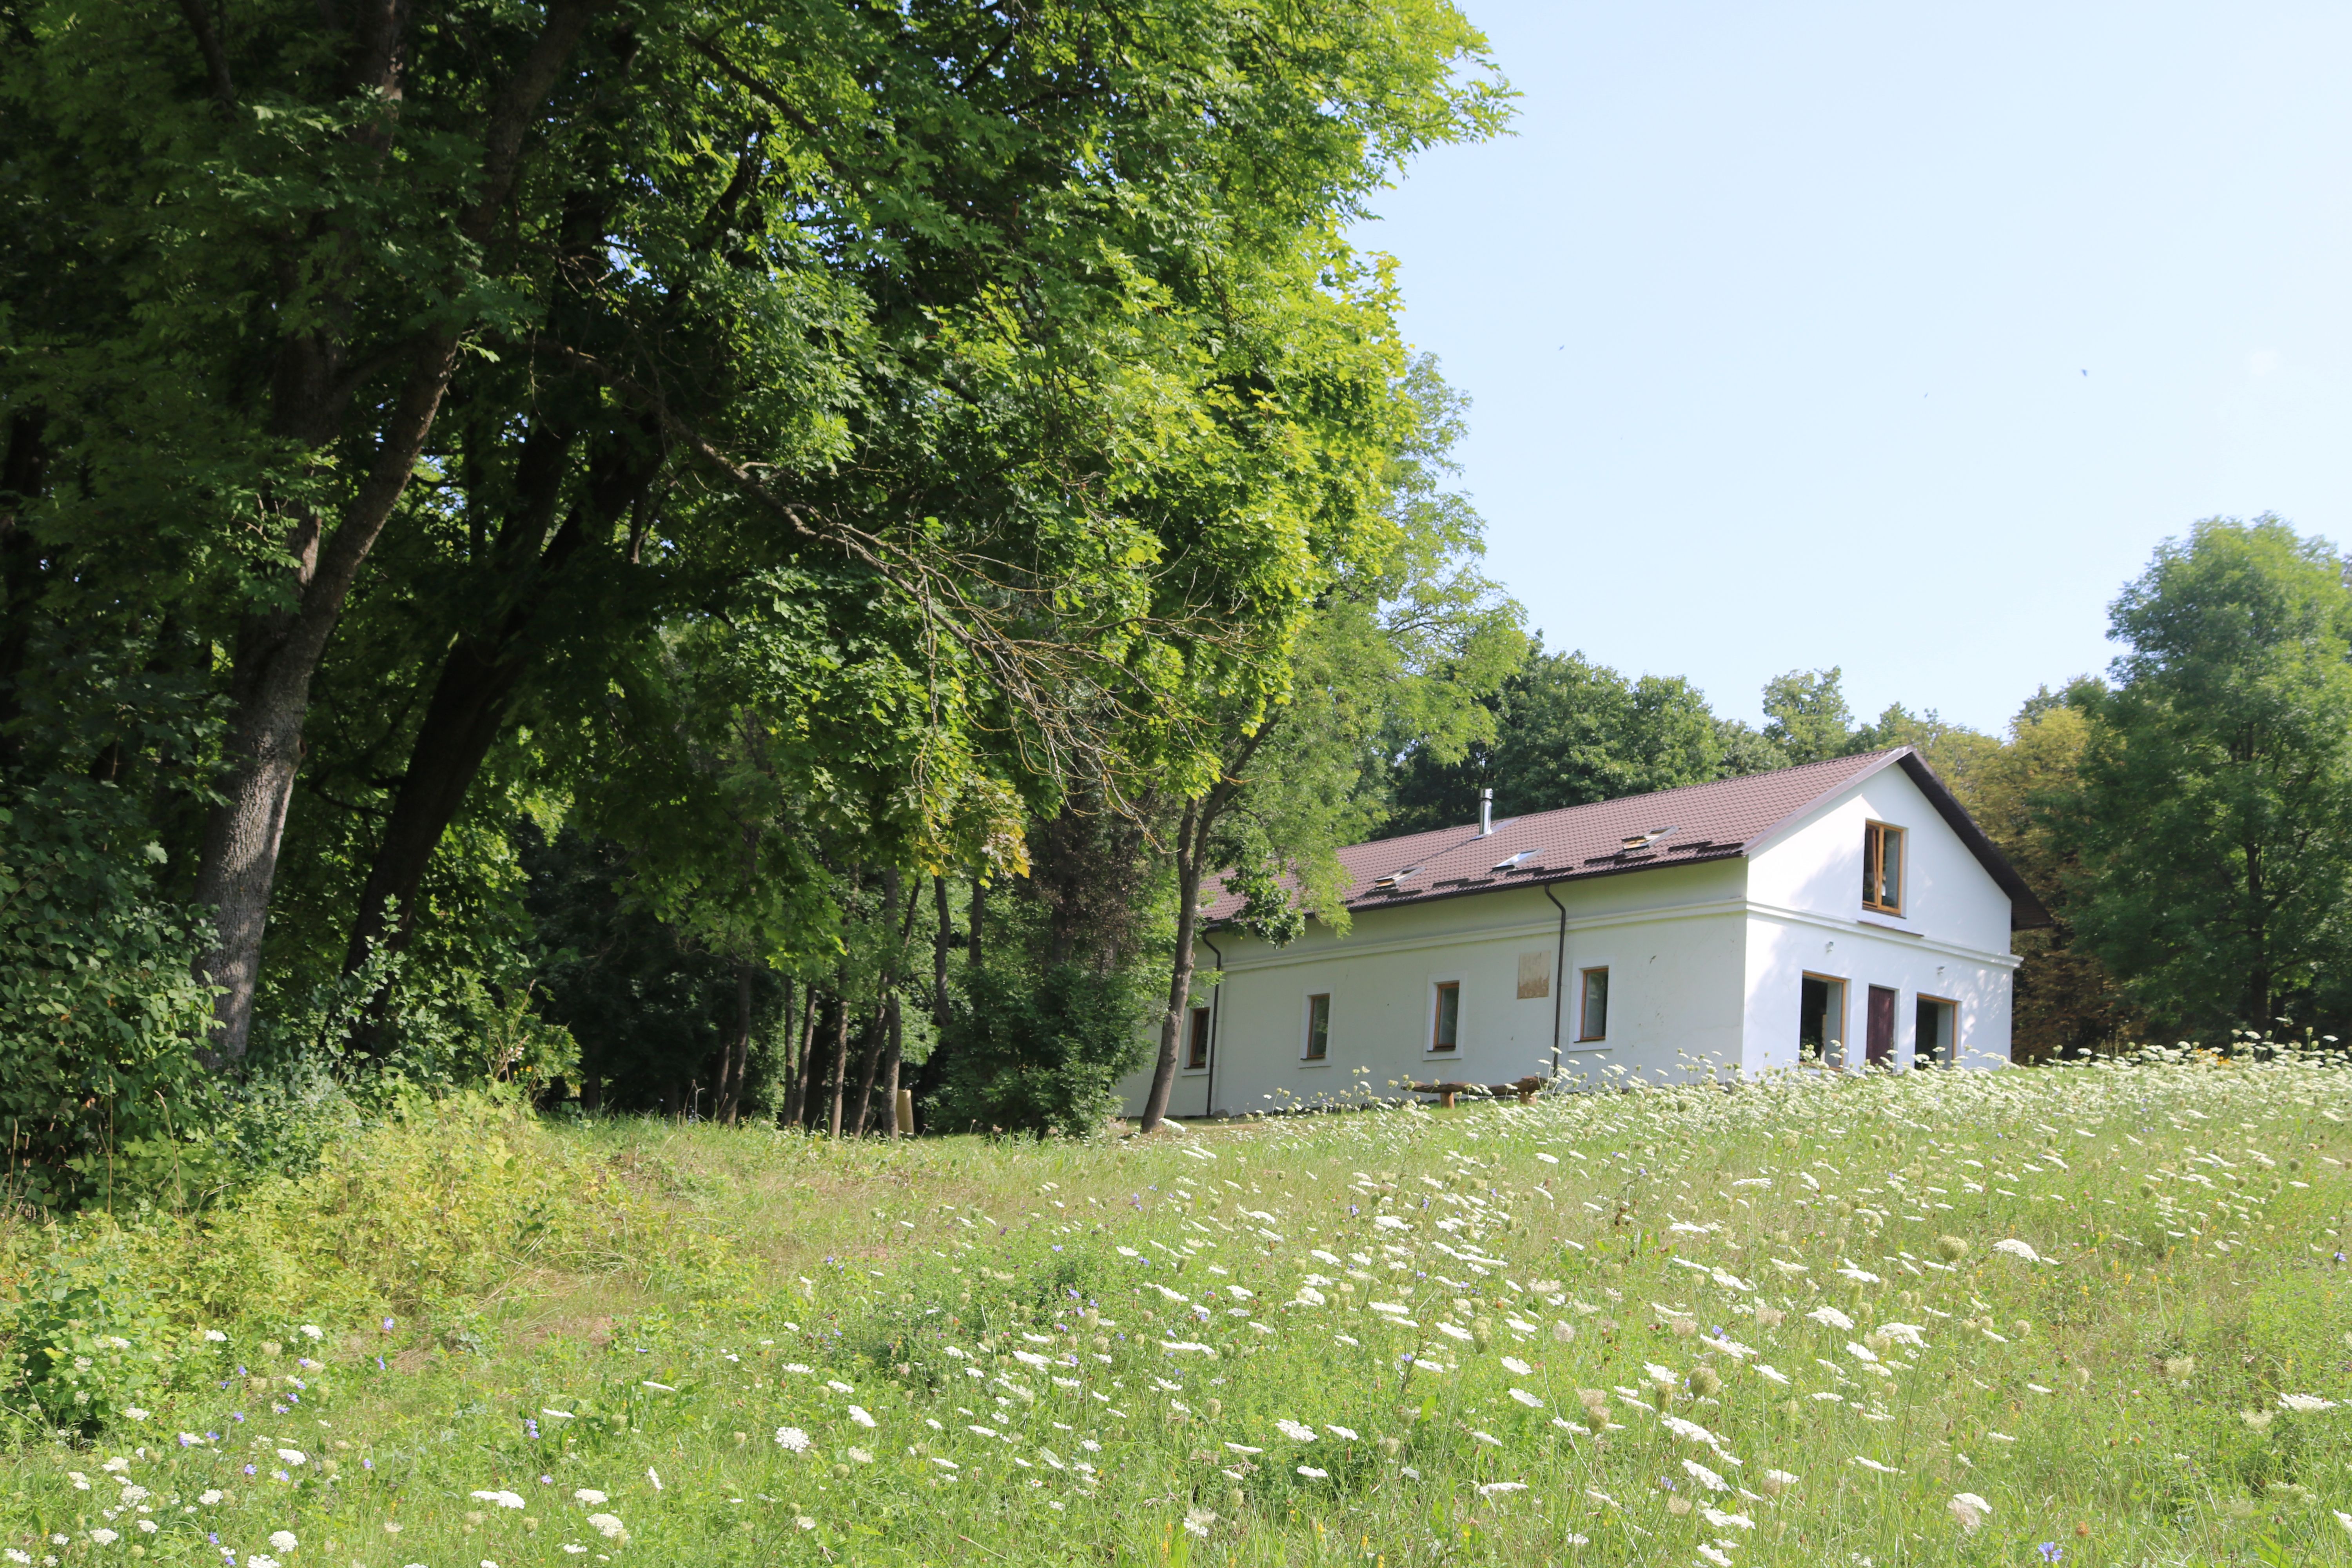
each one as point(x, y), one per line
point(1525, 1090)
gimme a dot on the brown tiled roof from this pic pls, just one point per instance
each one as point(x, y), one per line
point(1698, 822)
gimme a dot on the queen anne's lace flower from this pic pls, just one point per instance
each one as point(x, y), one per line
point(791, 1440)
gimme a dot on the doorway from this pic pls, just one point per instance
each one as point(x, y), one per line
point(1879, 1043)
point(1820, 1021)
point(1937, 1037)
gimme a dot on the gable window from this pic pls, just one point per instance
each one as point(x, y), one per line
point(1196, 1041)
point(1318, 1028)
point(1592, 1018)
point(1445, 1030)
point(1881, 868)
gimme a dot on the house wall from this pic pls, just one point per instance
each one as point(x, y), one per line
point(1951, 942)
point(1671, 940)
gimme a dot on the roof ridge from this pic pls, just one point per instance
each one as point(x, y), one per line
point(1645, 794)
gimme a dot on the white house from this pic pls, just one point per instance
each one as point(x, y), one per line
point(1847, 912)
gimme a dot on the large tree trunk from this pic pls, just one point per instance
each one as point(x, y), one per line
point(485, 671)
point(946, 934)
point(738, 1049)
point(870, 1072)
point(278, 650)
point(1189, 838)
point(799, 1102)
point(840, 1060)
point(891, 1071)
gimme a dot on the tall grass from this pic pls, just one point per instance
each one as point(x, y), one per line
point(2094, 1315)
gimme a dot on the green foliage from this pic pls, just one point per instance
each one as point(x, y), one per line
point(101, 1085)
point(87, 1343)
point(1568, 733)
point(1039, 1052)
point(2215, 813)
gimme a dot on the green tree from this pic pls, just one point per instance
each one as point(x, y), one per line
point(1568, 732)
point(2064, 1003)
point(1807, 719)
point(2214, 816)
point(260, 262)
point(1401, 638)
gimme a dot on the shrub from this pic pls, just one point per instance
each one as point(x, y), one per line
point(100, 1084)
point(1040, 1054)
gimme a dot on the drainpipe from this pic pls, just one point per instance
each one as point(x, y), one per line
point(1216, 1006)
point(1559, 979)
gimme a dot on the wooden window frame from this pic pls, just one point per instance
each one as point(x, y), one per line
point(1307, 1055)
point(1584, 1034)
point(1874, 854)
point(1200, 1023)
point(1437, 990)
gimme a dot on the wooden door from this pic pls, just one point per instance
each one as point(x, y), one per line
point(1881, 1046)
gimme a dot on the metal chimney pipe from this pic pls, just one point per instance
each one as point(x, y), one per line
point(1485, 812)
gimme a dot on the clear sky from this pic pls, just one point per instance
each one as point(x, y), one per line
point(1776, 320)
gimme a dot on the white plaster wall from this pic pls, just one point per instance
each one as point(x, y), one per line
point(1950, 943)
point(1815, 867)
point(1671, 940)
point(1781, 950)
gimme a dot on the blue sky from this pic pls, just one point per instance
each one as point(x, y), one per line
point(1775, 318)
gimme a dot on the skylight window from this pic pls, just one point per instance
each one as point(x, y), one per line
point(1509, 862)
point(1642, 840)
point(1381, 884)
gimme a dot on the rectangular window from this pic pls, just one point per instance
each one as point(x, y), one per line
point(1196, 1041)
point(1881, 869)
point(1446, 1033)
point(1593, 1020)
point(1318, 1028)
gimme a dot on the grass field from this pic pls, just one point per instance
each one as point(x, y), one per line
point(2096, 1315)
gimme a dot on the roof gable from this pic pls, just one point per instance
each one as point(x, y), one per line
point(1686, 827)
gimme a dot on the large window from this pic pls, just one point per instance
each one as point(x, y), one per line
point(1196, 1041)
point(1445, 1028)
point(1881, 869)
point(1318, 1028)
point(1592, 1016)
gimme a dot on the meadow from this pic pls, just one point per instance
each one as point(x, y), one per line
point(2090, 1315)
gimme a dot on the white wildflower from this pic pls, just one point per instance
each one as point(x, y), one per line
point(1829, 1316)
point(312, 1332)
point(283, 1541)
point(608, 1526)
point(1349, 1432)
point(292, 1456)
point(1874, 1465)
point(504, 1499)
point(838, 1386)
point(108, 1538)
point(1722, 1521)
point(1495, 1488)
point(1970, 1510)
point(1513, 1363)
point(588, 1495)
point(859, 1414)
point(1719, 1559)
point(791, 1440)
point(2017, 1248)
point(1705, 1476)
point(2306, 1403)
point(1529, 1400)
point(1486, 1437)
point(1295, 1431)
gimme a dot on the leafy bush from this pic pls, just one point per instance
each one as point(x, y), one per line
point(1040, 1054)
point(100, 1088)
point(86, 1344)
